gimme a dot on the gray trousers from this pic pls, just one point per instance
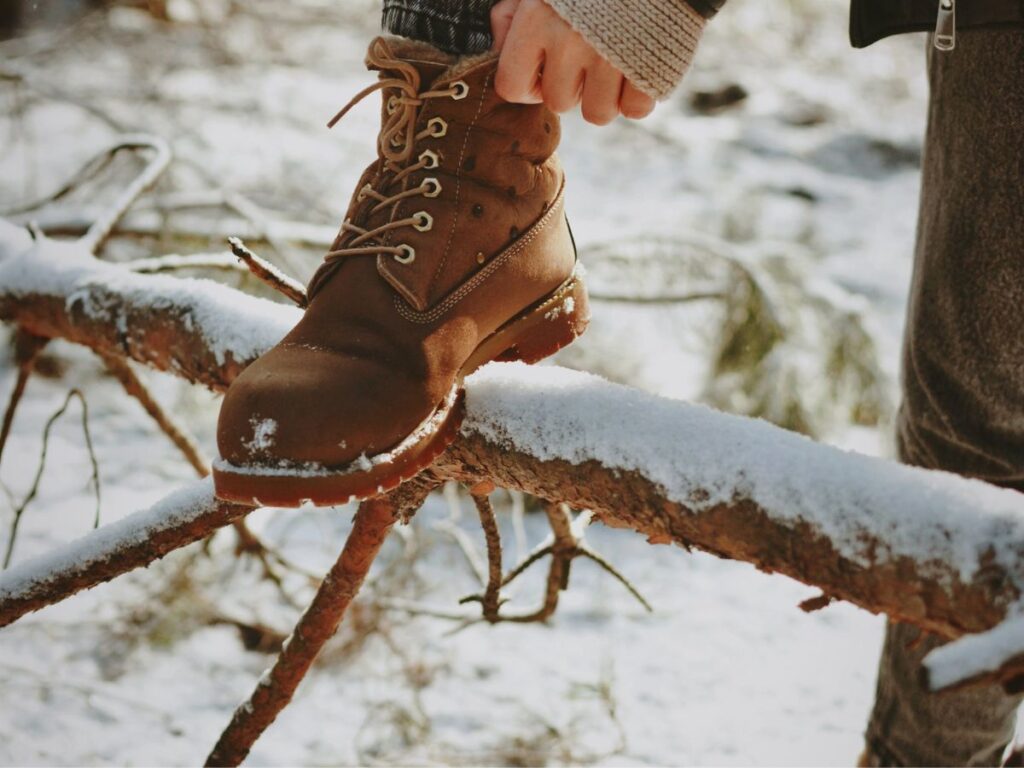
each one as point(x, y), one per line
point(963, 363)
point(963, 379)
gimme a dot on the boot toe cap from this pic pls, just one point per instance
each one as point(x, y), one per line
point(296, 405)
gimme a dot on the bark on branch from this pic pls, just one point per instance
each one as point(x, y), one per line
point(941, 552)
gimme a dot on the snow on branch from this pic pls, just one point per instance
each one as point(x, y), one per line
point(929, 548)
point(942, 552)
point(184, 517)
point(198, 329)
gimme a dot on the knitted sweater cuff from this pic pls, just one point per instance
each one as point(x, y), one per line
point(651, 42)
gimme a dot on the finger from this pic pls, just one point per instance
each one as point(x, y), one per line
point(634, 103)
point(601, 92)
point(519, 66)
point(562, 82)
point(501, 21)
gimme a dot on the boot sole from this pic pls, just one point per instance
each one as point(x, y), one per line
point(539, 332)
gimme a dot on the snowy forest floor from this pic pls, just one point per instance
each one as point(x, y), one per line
point(807, 186)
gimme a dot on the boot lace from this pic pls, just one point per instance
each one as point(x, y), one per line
point(396, 146)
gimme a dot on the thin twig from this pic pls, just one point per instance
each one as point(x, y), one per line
point(268, 273)
point(461, 538)
point(492, 593)
point(172, 262)
point(101, 228)
point(170, 426)
point(27, 347)
point(104, 225)
point(587, 552)
point(545, 549)
point(90, 170)
point(415, 609)
point(34, 490)
point(565, 544)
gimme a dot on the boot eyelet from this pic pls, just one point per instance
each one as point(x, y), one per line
point(426, 221)
point(408, 255)
point(392, 105)
point(435, 187)
point(430, 159)
point(461, 90)
point(437, 127)
point(363, 192)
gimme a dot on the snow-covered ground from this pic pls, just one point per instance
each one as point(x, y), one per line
point(809, 183)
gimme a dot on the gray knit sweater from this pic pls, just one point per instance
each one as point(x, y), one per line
point(651, 41)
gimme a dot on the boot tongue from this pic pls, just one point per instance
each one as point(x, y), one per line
point(389, 56)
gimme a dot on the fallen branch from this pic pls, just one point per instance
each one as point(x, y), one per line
point(932, 549)
point(184, 517)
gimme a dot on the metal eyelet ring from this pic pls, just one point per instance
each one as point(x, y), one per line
point(362, 192)
point(426, 221)
point(430, 158)
point(391, 105)
point(437, 127)
point(408, 255)
point(397, 141)
point(435, 187)
point(461, 90)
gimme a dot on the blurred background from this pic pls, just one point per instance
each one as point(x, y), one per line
point(748, 246)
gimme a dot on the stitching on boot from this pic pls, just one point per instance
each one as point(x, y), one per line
point(458, 185)
point(500, 260)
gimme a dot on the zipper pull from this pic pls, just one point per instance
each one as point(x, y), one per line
point(945, 26)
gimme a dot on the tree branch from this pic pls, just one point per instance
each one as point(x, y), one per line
point(318, 624)
point(184, 517)
point(941, 552)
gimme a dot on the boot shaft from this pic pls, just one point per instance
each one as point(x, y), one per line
point(490, 167)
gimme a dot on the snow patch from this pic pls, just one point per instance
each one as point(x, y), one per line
point(263, 431)
point(976, 655)
point(565, 307)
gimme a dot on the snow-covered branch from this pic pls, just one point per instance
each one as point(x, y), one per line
point(929, 548)
point(182, 518)
point(198, 329)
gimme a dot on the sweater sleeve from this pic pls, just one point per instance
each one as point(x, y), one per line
point(652, 42)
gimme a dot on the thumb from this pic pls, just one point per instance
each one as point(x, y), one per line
point(501, 21)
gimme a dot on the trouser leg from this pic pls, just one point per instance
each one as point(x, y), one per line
point(963, 364)
point(455, 26)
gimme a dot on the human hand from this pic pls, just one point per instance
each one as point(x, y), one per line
point(543, 59)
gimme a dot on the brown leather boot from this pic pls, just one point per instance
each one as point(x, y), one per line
point(455, 252)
